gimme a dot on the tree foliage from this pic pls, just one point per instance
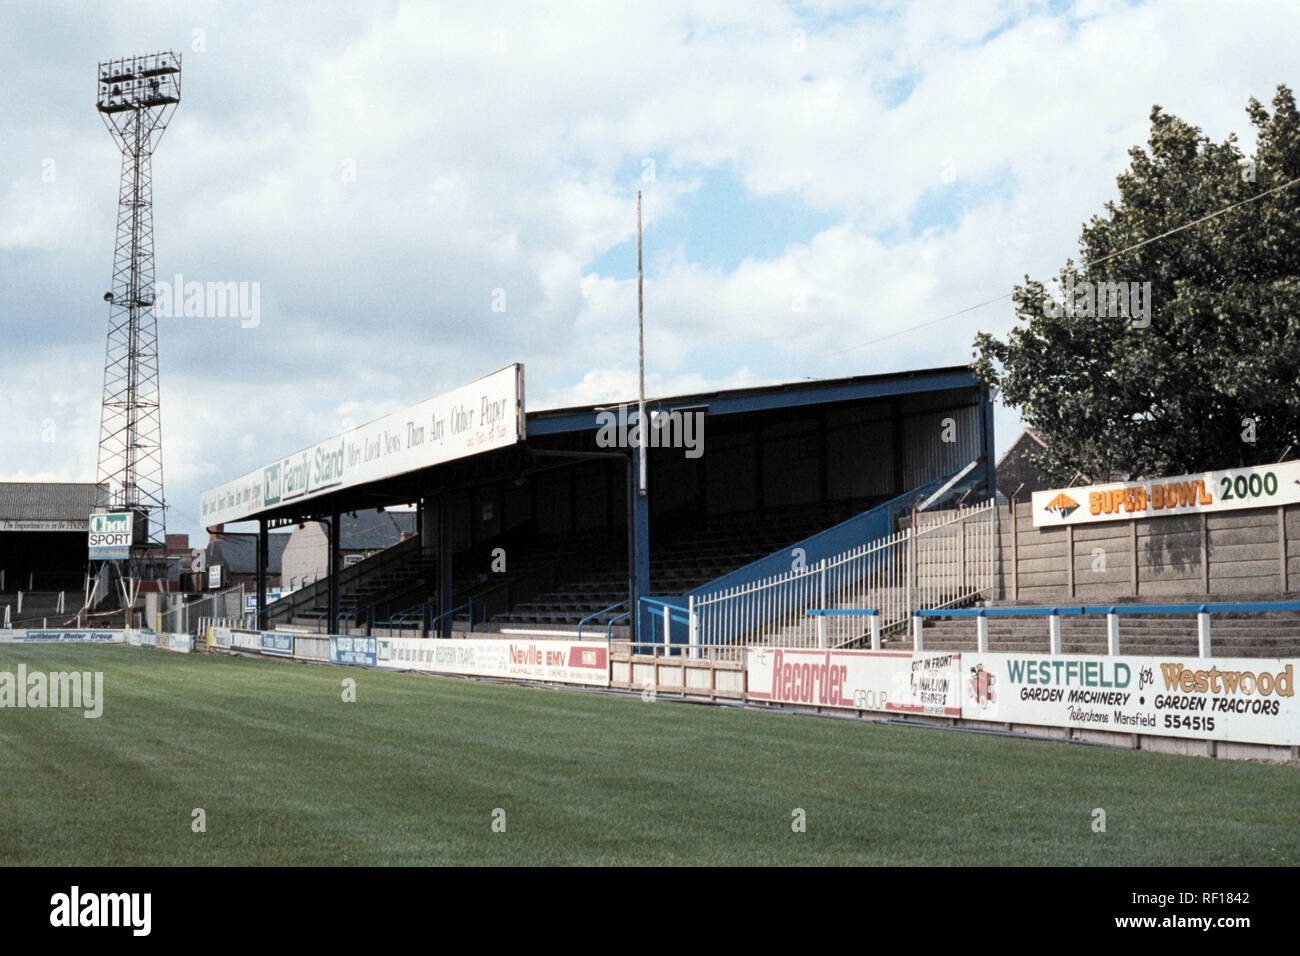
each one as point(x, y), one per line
point(1219, 361)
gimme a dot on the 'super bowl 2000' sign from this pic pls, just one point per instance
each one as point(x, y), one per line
point(481, 416)
point(1261, 486)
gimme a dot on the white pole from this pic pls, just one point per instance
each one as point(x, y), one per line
point(694, 633)
point(1054, 633)
point(911, 544)
point(640, 341)
point(875, 631)
point(1203, 633)
point(823, 640)
point(917, 641)
point(1112, 634)
point(982, 633)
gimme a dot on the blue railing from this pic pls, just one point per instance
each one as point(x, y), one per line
point(841, 611)
point(822, 613)
point(402, 618)
point(873, 524)
point(320, 616)
point(609, 625)
point(468, 604)
point(598, 614)
point(870, 525)
point(1113, 612)
point(652, 617)
point(1076, 610)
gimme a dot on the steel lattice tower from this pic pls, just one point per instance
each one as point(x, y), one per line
point(137, 96)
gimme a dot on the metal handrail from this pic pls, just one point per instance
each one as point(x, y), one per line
point(401, 618)
point(841, 611)
point(673, 607)
point(598, 614)
point(682, 617)
point(609, 625)
point(320, 617)
point(1075, 610)
point(468, 604)
point(1112, 612)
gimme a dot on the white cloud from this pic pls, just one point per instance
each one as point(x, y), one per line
point(381, 171)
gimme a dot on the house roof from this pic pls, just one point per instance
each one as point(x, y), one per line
point(1027, 438)
point(50, 501)
point(237, 553)
point(374, 530)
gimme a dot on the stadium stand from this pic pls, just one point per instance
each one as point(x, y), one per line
point(43, 527)
point(536, 535)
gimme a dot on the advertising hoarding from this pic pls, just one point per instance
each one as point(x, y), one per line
point(564, 662)
point(111, 536)
point(1262, 486)
point(1246, 699)
point(887, 681)
point(481, 416)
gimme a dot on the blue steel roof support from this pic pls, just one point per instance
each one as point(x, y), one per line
point(986, 428)
point(740, 401)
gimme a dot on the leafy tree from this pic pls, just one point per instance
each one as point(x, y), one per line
point(1219, 361)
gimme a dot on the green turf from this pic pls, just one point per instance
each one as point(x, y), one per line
point(412, 771)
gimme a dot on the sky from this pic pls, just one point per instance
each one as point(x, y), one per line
point(422, 193)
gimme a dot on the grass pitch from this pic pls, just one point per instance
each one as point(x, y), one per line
point(288, 773)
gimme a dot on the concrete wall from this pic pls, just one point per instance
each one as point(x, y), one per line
point(306, 555)
point(1231, 555)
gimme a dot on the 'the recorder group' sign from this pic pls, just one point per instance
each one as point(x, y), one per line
point(889, 681)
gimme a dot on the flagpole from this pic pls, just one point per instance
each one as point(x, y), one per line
point(640, 340)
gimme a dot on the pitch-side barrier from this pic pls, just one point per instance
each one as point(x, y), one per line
point(1113, 612)
point(133, 637)
point(1216, 706)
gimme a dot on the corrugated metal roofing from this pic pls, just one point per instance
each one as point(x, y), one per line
point(50, 501)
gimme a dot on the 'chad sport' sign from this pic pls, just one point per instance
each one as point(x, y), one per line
point(1249, 700)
